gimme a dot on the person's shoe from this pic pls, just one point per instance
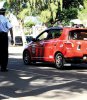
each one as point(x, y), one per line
point(4, 70)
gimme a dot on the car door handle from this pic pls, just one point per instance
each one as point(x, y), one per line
point(41, 46)
point(54, 44)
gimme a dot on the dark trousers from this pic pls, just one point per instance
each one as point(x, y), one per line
point(3, 50)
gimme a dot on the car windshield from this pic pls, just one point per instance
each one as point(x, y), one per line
point(78, 34)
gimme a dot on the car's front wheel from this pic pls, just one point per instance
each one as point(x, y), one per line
point(26, 58)
point(59, 61)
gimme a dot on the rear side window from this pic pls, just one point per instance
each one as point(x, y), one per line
point(56, 33)
point(78, 35)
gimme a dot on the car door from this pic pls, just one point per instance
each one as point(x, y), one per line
point(37, 47)
point(45, 46)
point(51, 43)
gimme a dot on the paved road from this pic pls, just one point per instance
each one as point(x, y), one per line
point(41, 81)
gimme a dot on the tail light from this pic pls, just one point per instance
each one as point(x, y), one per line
point(69, 44)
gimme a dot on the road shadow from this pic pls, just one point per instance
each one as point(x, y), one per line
point(40, 79)
point(67, 66)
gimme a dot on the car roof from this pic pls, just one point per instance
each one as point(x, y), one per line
point(53, 28)
point(70, 28)
point(61, 28)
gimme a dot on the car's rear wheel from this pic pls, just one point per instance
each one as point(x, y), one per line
point(59, 61)
point(26, 58)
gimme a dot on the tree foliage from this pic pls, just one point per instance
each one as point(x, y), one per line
point(72, 3)
point(49, 10)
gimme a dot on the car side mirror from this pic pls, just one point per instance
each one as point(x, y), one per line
point(34, 39)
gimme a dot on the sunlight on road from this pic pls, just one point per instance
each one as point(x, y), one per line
point(16, 49)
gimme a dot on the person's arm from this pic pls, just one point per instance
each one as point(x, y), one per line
point(11, 33)
point(10, 28)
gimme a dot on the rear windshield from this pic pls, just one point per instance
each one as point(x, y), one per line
point(78, 35)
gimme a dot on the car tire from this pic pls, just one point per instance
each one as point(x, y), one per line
point(26, 58)
point(59, 61)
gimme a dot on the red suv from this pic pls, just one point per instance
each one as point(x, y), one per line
point(58, 45)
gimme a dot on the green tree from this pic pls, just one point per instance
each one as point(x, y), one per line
point(49, 10)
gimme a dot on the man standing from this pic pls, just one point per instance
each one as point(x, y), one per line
point(5, 27)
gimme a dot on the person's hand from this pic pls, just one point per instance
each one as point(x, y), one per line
point(12, 41)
